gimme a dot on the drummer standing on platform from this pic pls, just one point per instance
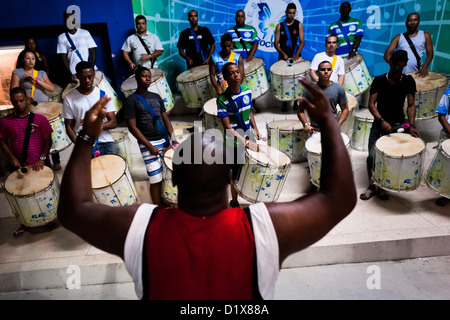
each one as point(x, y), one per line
point(289, 40)
point(75, 45)
point(337, 63)
point(335, 93)
point(141, 110)
point(145, 46)
point(235, 112)
point(80, 100)
point(196, 44)
point(245, 37)
point(349, 32)
point(415, 42)
point(219, 59)
point(387, 99)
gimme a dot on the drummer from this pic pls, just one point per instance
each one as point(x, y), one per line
point(35, 83)
point(81, 99)
point(145, 46)
point(337, 63)
point(196, 44)
point(335, 93)
point(235, 112)
point(443, 111)
point(245, 37)
point(386, 104)
point(415, 42)
point(137, 111)
point(348, 30)
point(41, 62)
point(289, 40)
point(219, 59)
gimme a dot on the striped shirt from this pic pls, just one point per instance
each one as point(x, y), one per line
point(243, 101)
point(249, 35)
point(12, 130)
point(352, 28)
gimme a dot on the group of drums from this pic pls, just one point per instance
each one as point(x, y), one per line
point(33, 196)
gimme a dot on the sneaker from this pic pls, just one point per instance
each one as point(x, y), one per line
point(234, 204)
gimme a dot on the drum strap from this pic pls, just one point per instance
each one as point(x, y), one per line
point(162, 129)
point(244, 45)
point(231, 58)
point(234, 108)
point(197, 44)
point(33, 86)
point(146, 49)
point(413, 49)
point(26, 139)
point(333, 63)
point(289, 40)
point(344, 34)
point(72, 46)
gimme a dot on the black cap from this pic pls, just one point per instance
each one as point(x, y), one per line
point(399, 55)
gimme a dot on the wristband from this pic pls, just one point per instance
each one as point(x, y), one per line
point(307, 124)
point(381, 120)
point(82, 136)
point(247, 142)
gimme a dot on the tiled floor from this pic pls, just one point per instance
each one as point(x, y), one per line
point(407, 226)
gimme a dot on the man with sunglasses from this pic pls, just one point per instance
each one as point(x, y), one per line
point(337, 63)
point(335, 93)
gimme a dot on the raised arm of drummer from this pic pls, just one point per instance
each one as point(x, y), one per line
point(103, 226)
point(301, 223)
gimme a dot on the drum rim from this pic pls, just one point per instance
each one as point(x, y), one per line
point(265, 165)
point(32, 195)
point(260, 67)
point(190, 70)
point(353, 66)
point(425, 174)
point(284, 130)
point(402, 156)
point(121, 176)
point(430, 90)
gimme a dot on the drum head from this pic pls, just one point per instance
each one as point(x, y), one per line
point(106, 170)
point(285, 125)
point(57, 91)
point(157, 74)
point(194, 74)
point(182, 132)
point(400, 144)
point(6, 108)
point(129, 84)
point(431, 82)
point(253, 65)
point(168, 156)
point(48, 109)
point(269, 156)
point(210, 107)
point(352, 102)
point(299, 67)
point(446, 146)
point(314, 143)
point(119, 136)
point(364, 114)
point(21, 184)
point(352, 63)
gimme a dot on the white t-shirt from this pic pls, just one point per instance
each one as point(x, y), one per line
point(75, 106)
point(82, 40)
point(339, 68)
point(134, 45)
point(266, 243)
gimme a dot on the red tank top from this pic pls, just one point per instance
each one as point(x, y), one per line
point(195, 258)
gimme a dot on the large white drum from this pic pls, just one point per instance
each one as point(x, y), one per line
point(398, 163)
point(430, 90)
point(55, 95)
point(353, 106)
point(357, 76)
point(262, 177)
point(195, 86)
point(289, 137)
point(256, 78)
point(438, 173)
point(33, 196)
point(111, 181)
point(361, 129)
point(102, 83)
point(158, 85)
point(284, 79)
point(443, 135)
point(52, 111)
point(314, 148)
point(210, 119)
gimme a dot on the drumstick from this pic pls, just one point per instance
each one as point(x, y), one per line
point(103, 169)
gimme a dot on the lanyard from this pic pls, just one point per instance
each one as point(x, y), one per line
point(289, 40)
point(33, 86)
point(197, 44)
point(333, 63)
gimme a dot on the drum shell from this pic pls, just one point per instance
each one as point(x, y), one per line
point(37, 209)
point(122, 145)
point(357, 76)
point(210, 119)
point(361, 130)
point(121, 192)
point(291, 142)
point(287, 87)
point(169, 192)
point(198, 91)
point(438, 174)
point(261, 182)
point(256, 77)
point(398, 173)
point(353, 107)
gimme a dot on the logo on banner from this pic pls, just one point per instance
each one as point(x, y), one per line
point(265, 15)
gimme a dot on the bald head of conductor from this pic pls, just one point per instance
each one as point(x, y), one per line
point(203, 199)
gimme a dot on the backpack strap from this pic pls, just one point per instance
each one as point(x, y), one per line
point(26, 140)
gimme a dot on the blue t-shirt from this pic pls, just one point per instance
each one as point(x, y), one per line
point(444, 105)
